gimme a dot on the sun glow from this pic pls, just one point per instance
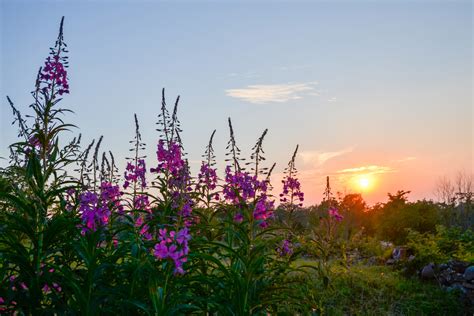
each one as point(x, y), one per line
point(364, 182)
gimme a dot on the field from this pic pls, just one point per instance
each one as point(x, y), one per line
point(78, 236)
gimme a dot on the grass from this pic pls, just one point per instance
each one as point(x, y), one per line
point(379, 290)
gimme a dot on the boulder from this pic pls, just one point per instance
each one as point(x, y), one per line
point(469, 273)
point(399, 253)
point(458, 266)
point(428, 271)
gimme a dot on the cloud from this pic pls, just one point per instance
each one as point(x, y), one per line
point(317, 158)
point(373, 169)
point(260, 94)
point(406, 159)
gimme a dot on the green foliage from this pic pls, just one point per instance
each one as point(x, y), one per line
point(397, 215)
point(440, 246)
point(377, 290)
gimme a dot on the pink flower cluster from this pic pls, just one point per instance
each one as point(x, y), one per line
point(285, 249)
point(334, 213)
point(241, 188)
point(173, 245)
point(291, 191)
point(96, 209)
point(263, 210)
point(169, 158)
point(55, 73)
point(207, 177)
point(135, 174)
point(144, 229)
point(141, 202)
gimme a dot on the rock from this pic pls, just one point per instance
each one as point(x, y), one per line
point(372, 261)
point(399, 253)
point(428, 272)
point(468, 286)
point(458, 266)
point(456, 287)
point(469, 273)
point(457, 277)
point(445, 277)
point(390, 262)
point(443, 266)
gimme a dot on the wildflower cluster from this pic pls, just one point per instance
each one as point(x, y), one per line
point(169, 158)
point(334, 213)
point(285, 249)
point(54, 74)
point(291, 193)
point(207, 177)
point(135, 174)
point(241, 188)
point(52, 78)
point(96, 208)
point(143, 233)
point(173, 245)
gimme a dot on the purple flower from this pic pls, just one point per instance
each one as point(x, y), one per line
point(96, 208)
point(174, 246)
point(46, 289)
point(54, 74)
point(207, 177)
point(169, 158)
point(334, 213)
point(135, 174)
point(238, 218)
point(292, 191)
point(285, 249)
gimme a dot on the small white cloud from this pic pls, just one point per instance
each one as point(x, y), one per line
point(373, 169)
point(406, 159)
point(332, 100)
point(260, 94)
point(317, 158)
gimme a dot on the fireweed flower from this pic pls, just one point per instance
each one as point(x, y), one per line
point(263, 210)
point(334, 213)
point(291, 191)
point(238, 218)
point(54, 74)
point(46, 289)
point(57, 287)
point(169, 158)
point(242, 188)
point(96, 208)
point(141, 202)
point(285, 249)
point(207, 177)
point(144, 229)
point(135, 174)
point(173, 245)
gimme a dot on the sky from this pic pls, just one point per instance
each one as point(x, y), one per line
point(375, 93)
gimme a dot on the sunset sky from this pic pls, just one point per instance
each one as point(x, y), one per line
point(378, 94)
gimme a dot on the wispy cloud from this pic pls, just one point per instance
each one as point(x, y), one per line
point(317, 158)
point(260, 94)
point(373, 169)
point(406, 159)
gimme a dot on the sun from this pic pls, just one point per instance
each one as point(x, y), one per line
point(364, 183)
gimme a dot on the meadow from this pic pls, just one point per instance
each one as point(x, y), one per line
point(78, 236)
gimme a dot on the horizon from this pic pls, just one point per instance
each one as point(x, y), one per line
point(301, 83)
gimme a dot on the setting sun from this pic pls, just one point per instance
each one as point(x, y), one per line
point(364, 183)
